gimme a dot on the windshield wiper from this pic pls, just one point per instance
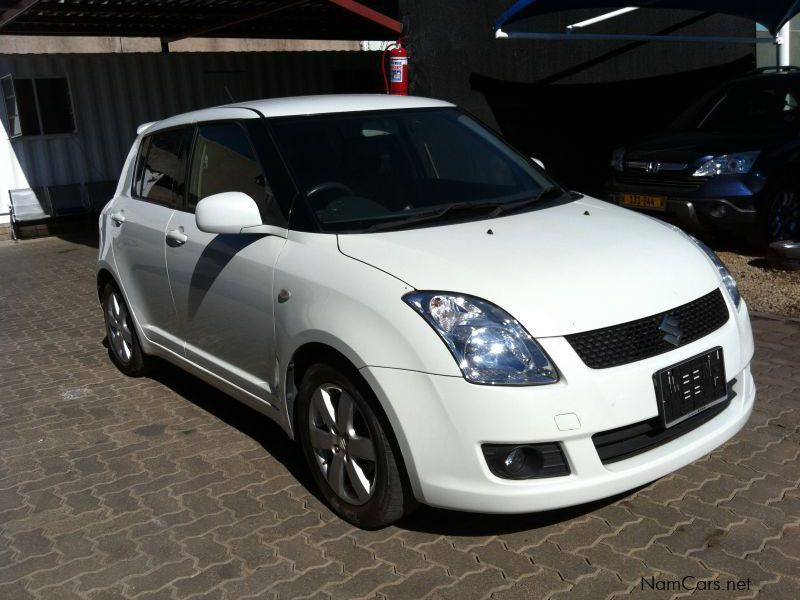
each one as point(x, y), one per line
point(510, 207)
point(433, 215)
point(499, 208)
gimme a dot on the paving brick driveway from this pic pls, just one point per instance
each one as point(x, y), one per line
point(165, 488)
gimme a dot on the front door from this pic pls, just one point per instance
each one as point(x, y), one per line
point(138, 227)
point(222, 283)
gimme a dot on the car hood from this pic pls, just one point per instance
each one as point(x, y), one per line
point(559, 270)
point(691, 146)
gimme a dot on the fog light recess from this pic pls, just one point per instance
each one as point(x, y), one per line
point(526, 461)
point(719, 211)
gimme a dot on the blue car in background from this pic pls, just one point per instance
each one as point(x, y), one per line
point(729, 162)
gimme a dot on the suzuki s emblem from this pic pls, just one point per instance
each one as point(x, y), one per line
point(672, 330)
point(653, 167)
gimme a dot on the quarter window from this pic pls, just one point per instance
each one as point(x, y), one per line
point(40, 106)
point(224, 161)
point(161, 166)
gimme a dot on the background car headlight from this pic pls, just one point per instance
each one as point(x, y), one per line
point(489, 345)
point(618, 159)
point(728, 164)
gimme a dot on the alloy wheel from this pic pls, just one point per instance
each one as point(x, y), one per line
point(119, 328)
point(342, 444)
point(784, 216)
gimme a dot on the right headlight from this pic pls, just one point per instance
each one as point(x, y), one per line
point(488, 344)
point(727, 279)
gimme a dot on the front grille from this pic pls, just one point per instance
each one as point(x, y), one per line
point(640, 339)
point(626, 442)
point(661, 182)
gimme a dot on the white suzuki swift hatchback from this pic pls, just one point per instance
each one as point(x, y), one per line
point(429, 314)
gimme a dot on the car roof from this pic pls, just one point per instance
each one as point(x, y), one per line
point(298, 106)
point(764, 75)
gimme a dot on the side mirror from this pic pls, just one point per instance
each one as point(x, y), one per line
point(232, 212)
point(538, 162)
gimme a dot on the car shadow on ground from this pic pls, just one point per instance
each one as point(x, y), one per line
point(90, 238)
point(277, 444)
point(238, 415)
point(427, 519)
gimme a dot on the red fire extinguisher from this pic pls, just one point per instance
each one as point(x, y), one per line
point(397, 81)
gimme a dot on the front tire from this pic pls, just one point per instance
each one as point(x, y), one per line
point(781, 215)
point(124, 348)
point(349, 449)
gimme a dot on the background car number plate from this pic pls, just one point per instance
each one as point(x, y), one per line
point(644, 201)
point(690, 387)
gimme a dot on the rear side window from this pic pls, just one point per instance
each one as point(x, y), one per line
point(161, 167)
point(223, 160)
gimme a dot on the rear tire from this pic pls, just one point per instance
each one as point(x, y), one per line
point(349, 448)
point(124, 348)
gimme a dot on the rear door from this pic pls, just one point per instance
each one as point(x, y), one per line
point(138, 227)
point(222, 283)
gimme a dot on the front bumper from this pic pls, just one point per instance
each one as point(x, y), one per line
point(441, 423)
point(700, 213)
point(722, 202)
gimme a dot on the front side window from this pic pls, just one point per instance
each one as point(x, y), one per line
point(40, 106)
point(161, 167)
point(224, 161)
point(359, 170)
point(751, 108)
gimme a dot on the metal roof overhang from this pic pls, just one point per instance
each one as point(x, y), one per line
point(178, 19)
point(772, 14)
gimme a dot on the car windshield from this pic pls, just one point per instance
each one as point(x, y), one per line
point(376, 170)
point(744, 108)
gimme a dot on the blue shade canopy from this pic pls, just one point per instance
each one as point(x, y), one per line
point(772, 14)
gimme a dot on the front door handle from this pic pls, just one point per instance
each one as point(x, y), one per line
point(176, 235)
point(118, 218)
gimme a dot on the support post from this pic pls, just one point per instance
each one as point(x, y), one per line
point(784, 43)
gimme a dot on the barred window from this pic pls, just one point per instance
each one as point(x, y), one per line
point(40, 106)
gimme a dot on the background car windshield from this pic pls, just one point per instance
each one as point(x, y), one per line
point(746, 107)
point(359, 169)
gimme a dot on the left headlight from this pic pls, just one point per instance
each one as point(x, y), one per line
point(727, 279)
point(728, 164)
point(489, 345)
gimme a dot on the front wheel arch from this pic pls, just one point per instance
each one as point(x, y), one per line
point(779, 183)
point(104, 277)
point(318, 353)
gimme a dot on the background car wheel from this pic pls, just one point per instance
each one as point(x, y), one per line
point(349, 449)
point(123, 343)
point(781, 215)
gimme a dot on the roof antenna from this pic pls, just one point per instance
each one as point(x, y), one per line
point(227, 91)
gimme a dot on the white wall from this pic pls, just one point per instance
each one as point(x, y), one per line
point(113, 93)
point(11, 175)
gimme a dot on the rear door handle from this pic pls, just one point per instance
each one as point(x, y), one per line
point(177, 235)
point(118, 218)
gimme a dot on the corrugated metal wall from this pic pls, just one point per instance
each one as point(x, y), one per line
point(570, 102)
point(113, 93)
